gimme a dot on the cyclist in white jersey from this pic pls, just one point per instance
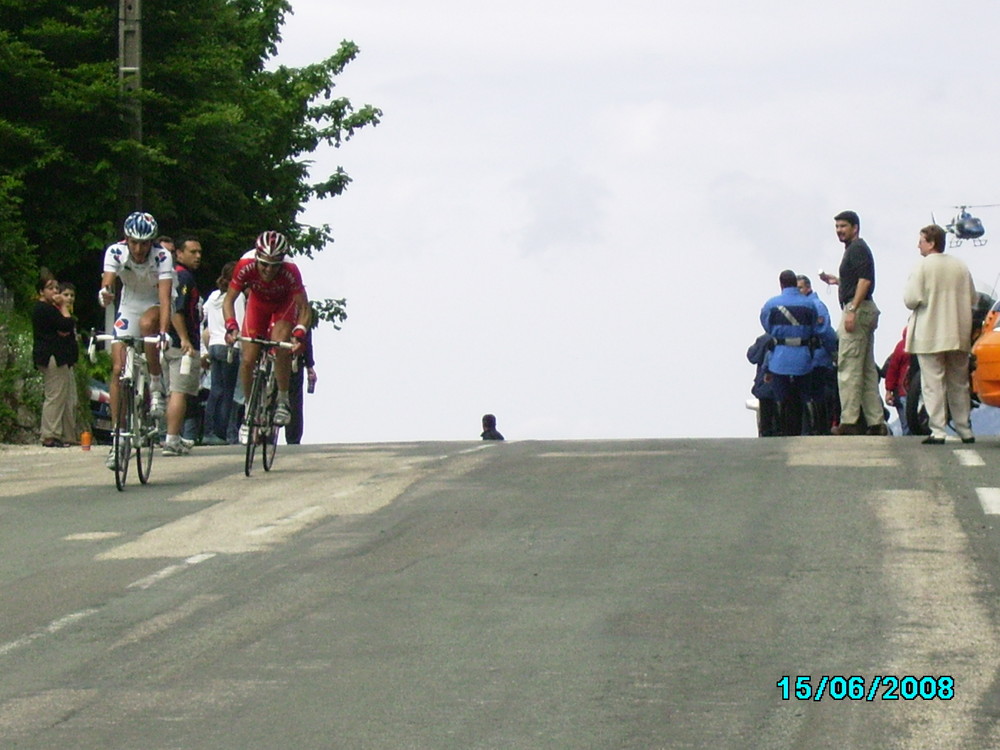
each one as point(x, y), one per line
point(147, 284)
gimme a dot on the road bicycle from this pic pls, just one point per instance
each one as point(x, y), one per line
point(134, 428)
point(260, 405)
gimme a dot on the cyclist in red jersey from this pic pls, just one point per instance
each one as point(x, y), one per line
point(277, 308)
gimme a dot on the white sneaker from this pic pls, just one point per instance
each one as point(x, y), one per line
point(244, 433)
point(175, 448)
point(189, 444)
point(110, 461)
point(157, 407)
point(282, 414)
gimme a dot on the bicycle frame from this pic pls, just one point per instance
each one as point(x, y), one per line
point(261, 403)
point(133, 428)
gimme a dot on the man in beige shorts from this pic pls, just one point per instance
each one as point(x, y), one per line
point(183, 356)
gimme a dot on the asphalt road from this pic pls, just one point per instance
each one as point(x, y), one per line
point(627, 594)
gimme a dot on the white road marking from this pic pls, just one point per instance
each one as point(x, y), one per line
point(940, 607)
point(145, 583)
point(989, 498)
point(289, 519)
point(474, 450)
point(851, 452)
point(968, 457)
point(253, 515)
point(53, 627)
point(92, 536)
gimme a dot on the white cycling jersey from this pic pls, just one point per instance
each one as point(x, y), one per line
point(140, 281)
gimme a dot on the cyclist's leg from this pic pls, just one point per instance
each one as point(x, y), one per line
point(126, 324)
point(282, 321)
point(248, 360)
point(149, 325)
point(256, 324)
point(117, 362)
point(282, 331)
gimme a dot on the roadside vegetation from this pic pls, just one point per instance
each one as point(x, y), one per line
point(224, 152)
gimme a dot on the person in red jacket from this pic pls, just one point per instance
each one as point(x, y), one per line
point(897, 372)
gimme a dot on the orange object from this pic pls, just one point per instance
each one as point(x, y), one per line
point(85, 440)
point(986, 354)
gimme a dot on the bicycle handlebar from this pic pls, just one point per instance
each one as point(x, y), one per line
point(126, 339)
point(267, 342)
point(262, 342)
point(95, 337)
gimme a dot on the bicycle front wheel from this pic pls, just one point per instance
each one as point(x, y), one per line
point(123, 433)
point(252, 417)
point(145, 435)
point(269, 432)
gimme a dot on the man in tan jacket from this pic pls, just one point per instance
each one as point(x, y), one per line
point(941, 294)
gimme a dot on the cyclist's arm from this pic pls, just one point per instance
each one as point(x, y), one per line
point(229, 309)
point(303, 309)
point(107, 282)
point(229, 304)
point(302, 323)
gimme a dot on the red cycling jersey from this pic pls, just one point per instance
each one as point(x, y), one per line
point(285, 285)
point(269, 301)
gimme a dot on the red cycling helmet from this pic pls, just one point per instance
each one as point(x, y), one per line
point(271, 247)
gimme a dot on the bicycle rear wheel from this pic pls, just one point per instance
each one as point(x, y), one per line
point(122, 444)
point(145, 435)
point(252, 417)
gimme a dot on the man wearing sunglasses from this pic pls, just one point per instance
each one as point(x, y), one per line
point(277, 308)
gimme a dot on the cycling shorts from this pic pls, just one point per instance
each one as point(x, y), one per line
point(261, 316)
point(129, 313)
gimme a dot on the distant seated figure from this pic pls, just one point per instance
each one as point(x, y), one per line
point(490, 428)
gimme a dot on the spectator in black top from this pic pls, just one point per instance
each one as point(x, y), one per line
point(857, 373)
point(55, 352)
point(490, 428)
point(303, 368)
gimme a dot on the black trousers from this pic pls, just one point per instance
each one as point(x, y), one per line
point(293, 430)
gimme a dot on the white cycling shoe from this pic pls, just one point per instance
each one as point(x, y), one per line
point(282, 414)
point(157, 405)
point(175, 448)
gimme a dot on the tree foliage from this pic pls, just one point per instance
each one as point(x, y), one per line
point(226, 138)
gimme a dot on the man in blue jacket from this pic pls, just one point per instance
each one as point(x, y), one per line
point(792, 321)
point(824, 409)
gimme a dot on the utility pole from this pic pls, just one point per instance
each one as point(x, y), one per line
point(130, 85)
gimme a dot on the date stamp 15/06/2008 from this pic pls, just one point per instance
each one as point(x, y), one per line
point(858, 688)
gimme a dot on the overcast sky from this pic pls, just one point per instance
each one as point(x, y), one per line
point(572, 212)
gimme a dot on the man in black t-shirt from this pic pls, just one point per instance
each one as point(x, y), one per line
point(857, 372)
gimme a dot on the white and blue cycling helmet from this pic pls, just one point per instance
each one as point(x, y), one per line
point(140, 226)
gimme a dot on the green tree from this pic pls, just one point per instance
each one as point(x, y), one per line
point(226, 139)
